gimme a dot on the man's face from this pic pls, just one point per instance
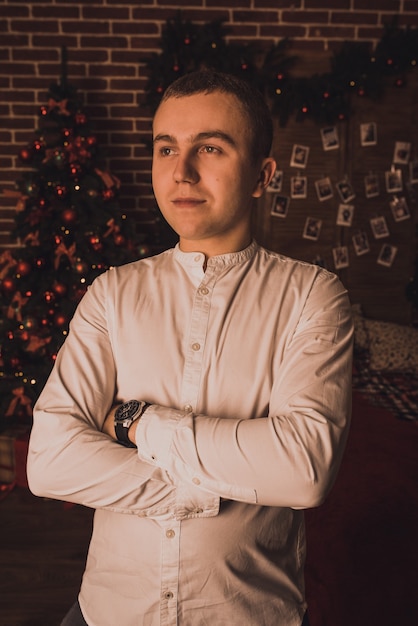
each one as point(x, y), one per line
point(203, 175)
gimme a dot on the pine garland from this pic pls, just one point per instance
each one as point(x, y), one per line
point(325, 98)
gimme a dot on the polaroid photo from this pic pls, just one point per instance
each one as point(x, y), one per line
point(400, 209)
point(345, 191)
point(312, 228)
point(393, 179)
point(300, 155)
point(368, 134)
point(361, 243)
point(413, 172)
point(345, 214)
point(323, 189)
point(329, 137)
point(402, 152)
point(379, 227)
point(387, 255)
point(340, 255)
point(371, 186)
point(275, 185)
point(298, 187)
point(280, 206)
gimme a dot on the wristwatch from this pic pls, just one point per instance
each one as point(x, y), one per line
point(124, 417)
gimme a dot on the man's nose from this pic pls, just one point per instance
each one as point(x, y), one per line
point(185, 170)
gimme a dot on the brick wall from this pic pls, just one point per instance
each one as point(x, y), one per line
point(107, 41)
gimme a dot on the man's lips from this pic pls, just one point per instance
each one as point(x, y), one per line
point(187, 202)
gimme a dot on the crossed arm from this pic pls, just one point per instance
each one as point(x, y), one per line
point(184, 462)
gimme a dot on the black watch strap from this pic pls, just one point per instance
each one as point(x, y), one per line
point(125, 415)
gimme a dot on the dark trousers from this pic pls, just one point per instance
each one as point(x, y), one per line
point(75, 617)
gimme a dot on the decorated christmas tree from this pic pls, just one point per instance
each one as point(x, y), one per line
point(69, 228)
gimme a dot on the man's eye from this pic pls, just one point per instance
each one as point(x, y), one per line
point(209, 149)
point(165, 151)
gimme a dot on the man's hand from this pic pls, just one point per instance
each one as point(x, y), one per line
point(109, 423)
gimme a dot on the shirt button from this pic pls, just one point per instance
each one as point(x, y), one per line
point(196, 481)
point(170, 533)
point(197, 258)
point(188, 408)
point(168, 595)
point(196, 347)
point(204, 291)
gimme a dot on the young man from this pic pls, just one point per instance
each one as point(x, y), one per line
point(230, 369)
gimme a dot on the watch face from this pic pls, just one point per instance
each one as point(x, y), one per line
point(127, 410)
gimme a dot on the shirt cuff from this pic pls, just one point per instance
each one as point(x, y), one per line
point(154, 437)
point(155, 432)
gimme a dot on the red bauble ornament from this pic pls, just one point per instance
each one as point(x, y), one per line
point(25, 155)
point(49, 296)
point(8, 285)
point(42, 203)
point(91, 140)
point(60, 320)
point(61, 191)
point(108, 194)
point(119, 239)
point(23, 268)
point(69, 216)
point(60, 288)
point(80, 118)
point(96, 243)
point(80, 267)
point(75, 169)
point(38, 146)
point(43, 110)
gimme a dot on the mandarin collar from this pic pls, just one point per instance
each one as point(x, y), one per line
point(193, 259)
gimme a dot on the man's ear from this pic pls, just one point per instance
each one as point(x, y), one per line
point(268, 167)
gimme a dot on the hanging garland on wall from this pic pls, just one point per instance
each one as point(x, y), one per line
point(325, 98)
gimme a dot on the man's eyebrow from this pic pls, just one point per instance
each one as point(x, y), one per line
point(164, 137)
point(203, 136)
point(215, 134)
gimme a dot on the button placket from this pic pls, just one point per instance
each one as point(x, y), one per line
point(195, 351)
point(170, 571)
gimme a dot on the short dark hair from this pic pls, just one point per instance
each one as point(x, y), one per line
point(251, 100)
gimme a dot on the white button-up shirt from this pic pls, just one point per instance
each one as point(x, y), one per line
point(247, 366)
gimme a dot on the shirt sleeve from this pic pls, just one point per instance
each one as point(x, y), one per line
point(291, 456)
point(71, 459)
